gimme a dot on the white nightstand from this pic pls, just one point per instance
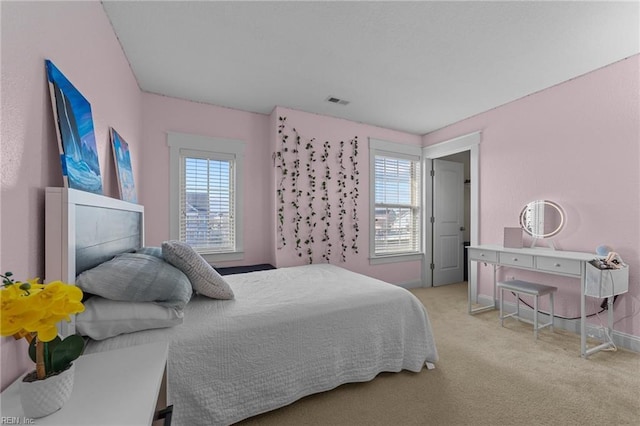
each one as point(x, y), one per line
point(119, 387)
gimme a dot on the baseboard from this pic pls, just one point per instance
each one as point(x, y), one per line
point(620, 339)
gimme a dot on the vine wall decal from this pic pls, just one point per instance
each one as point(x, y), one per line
point(281, 164)
point(342, 195)
point(295, 190)
point(355, 181)
point(311, 196)
point(326, 215)
point(307, 218)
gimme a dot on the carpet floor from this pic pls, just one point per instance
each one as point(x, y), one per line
point(487, 375)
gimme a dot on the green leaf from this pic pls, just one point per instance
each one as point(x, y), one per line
point(52, 345)
point(32, 350)
point(66, 352)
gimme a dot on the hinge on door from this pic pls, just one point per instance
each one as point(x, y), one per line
point(433, 266)
point(433, 172)
point(433, 219)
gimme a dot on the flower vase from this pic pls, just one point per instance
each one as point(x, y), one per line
point(42, 397)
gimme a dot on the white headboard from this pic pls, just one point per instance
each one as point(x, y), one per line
point(83, 230)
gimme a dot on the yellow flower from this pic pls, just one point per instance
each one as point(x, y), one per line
point(11, 324)
point(44, 326)
point(29, 309)
point(38, 307)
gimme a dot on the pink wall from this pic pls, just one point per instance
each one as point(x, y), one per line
point(162, 114)
point(78, 38)
point(576, 143)
point(334, 130)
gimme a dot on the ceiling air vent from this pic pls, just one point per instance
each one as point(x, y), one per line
point(334, 100)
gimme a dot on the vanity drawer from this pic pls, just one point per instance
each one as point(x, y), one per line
point(515, 259)
point(561, 266)
point(483, 255)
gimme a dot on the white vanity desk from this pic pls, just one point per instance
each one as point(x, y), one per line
point(557, 262)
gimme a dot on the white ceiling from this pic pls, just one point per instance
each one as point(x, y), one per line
point(411, 66)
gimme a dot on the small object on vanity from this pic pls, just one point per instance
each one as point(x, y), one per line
point(600, 264)
point(603, 250)
point(612, 261)
point(513, 237)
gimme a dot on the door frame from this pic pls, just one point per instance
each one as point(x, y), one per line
point(469, 142)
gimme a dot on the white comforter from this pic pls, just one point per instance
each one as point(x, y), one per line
point(288, 333)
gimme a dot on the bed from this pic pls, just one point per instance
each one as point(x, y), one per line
point(287, 333)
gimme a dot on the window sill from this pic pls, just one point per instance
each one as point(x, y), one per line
point(222, 257)
point(393, 258)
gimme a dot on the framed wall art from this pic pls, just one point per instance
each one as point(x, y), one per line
point(124, 171)
point(76, 138)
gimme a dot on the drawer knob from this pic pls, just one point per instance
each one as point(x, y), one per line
point(557, 265)
point(515, 259)
point(482, 255)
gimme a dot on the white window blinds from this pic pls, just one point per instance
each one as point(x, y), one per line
point(207, 201)
point(397, 205)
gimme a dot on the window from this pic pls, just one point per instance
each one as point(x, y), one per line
point(207, 207)
point(396, 201)
point(206, 201)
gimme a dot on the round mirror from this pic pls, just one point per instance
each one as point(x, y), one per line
point(542, 218)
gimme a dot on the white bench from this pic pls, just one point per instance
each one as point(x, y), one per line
point(532, 289)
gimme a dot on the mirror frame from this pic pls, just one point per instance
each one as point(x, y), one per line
point(546, 203)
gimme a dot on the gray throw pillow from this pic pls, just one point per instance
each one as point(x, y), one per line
point(136, 277)
point(152, 251)
point(205, 280)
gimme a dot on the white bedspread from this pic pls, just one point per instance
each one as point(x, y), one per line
point(289, 333)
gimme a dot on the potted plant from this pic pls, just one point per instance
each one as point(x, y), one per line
point(32, 310)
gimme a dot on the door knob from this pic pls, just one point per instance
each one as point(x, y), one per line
point(462, 228)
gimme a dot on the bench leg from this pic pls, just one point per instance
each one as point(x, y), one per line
point(551, 310)
point(535, 317)
point(501, 316)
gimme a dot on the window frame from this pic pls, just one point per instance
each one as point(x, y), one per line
point(227, 149)
point(403, 152)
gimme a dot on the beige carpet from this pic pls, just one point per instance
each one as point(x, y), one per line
point(487, 375)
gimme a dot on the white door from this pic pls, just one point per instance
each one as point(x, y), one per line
point(448, 222)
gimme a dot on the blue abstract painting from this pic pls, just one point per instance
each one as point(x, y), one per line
point(76, 138)
point(122, 158)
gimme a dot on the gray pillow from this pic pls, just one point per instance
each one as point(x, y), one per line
point(136, 277)
point(205, 280)
point(103, 318)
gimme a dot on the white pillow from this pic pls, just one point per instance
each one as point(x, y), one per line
point(204, 279)
point(103, 318)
